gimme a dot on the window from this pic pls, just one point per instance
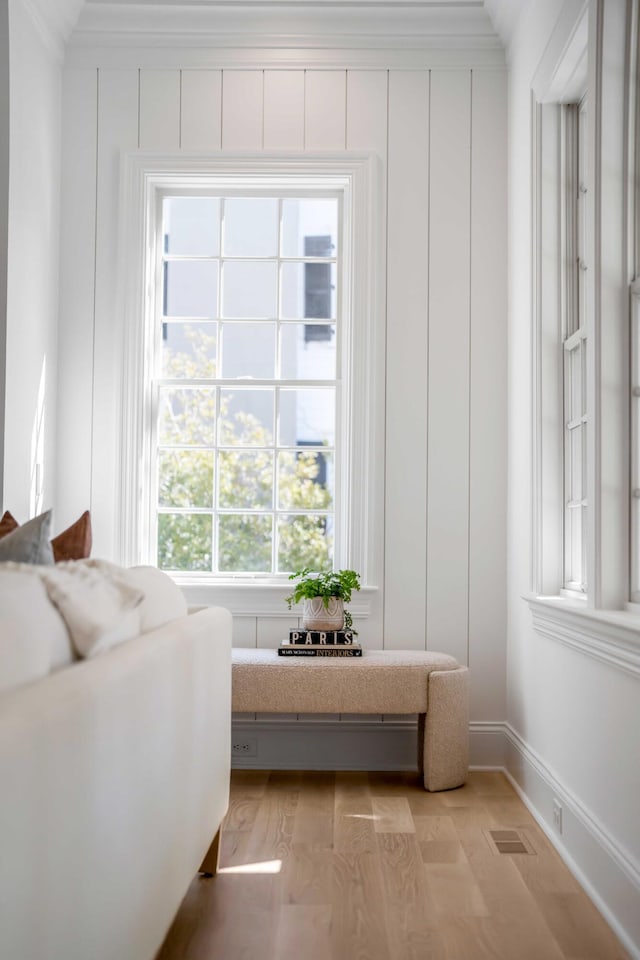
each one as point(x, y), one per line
point(585, 351)
point(574, 345)
point(246, 388)
point(253, 373)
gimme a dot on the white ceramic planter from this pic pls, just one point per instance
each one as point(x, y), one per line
point(315, 616)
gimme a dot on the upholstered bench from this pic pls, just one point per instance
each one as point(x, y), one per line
point(432, 685)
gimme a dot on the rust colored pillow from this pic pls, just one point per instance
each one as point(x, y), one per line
point(74, 543)
point(7, 524)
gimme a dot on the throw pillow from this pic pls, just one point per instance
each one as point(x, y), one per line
point(98, 605)
point(74, 543)
point(163, 599)
point(7, 524)
point(29, 543)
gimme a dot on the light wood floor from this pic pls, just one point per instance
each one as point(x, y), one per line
point(357, 866)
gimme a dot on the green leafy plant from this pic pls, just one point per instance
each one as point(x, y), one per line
point(312, 583)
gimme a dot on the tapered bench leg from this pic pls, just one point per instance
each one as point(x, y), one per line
point(443, 735)
point(209, 865)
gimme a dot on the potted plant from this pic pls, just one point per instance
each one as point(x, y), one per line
point(324, 594)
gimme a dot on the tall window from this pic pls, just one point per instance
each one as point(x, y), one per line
point(575, 350)
point(246, 390)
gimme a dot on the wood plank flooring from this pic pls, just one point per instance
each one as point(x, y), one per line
point(357, 866)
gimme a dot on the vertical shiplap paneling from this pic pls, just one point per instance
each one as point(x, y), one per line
point(272, 630)
point(159, 109)
point(242, 109)
point(448, 418)
point(284, 109)
point(407, 344)
point(201, 110)
point(325, 109)
point(77, 270)
point(367, 110)
point(117, 131)
point(244, 631)
point(488, 389)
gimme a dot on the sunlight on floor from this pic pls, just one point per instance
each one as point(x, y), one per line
point(266, 866)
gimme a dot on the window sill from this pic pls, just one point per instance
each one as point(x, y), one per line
point(258, 598)
point(610, 636)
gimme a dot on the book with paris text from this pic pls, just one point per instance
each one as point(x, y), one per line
point(322, 637)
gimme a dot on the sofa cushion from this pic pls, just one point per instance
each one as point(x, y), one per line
point(74, 543)
point(33, 637)
point(163, 600)
point(99, 606)
point(7, 523)
point(29, 543)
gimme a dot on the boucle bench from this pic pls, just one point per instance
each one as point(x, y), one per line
point(432, 685)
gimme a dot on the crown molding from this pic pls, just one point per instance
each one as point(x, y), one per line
point(54, 22)
point(261, 24)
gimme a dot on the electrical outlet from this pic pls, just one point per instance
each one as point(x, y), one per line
point(245, 748)
point(557, 815)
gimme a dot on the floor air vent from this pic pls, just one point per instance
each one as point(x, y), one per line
point(509, 841)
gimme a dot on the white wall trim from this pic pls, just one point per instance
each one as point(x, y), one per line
point(609, 873)
point(54, 22)
point(562, 72)
point(284, 56)
point(301, 24)
point(344, 740)
point(611, 637)
point(357, 176)
point(255, 599)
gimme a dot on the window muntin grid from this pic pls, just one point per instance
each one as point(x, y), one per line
point(575, 351)
point(240, 396)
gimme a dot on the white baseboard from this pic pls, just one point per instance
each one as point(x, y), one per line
point(604, 869)
point(350, 745)
point(325, 745)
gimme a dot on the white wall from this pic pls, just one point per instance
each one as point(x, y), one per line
point(32, 267)
point(573, 720)
point(441, 135)
point(4, 213)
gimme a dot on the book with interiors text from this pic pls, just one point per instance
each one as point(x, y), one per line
point(287, 649)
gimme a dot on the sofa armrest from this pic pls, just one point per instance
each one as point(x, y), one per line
point(115, 777)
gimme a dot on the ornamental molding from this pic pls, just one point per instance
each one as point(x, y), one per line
point(266, 25)
point(54, 21)
point(611, 637)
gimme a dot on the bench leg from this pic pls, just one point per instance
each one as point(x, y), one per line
point(209, 865)
point(443, 735)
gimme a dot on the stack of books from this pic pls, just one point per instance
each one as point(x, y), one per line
point(320, 643)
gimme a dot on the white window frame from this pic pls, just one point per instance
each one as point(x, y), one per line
point(339, 385)
point(634, 311)
point(357, 178)
point(601, 624)
point(574, 339)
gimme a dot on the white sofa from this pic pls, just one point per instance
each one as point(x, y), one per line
point(114, 772)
